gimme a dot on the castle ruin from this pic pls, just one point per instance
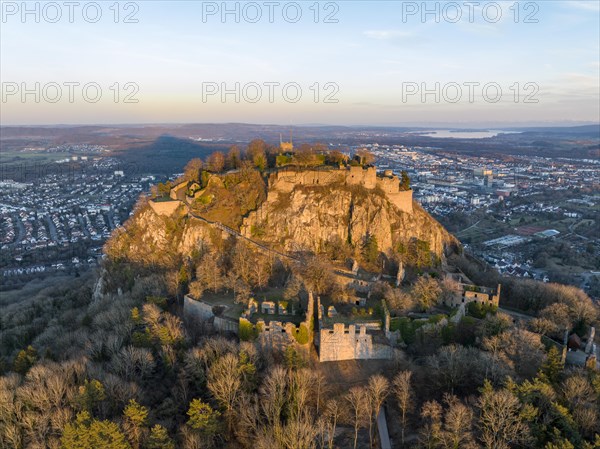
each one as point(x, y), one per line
point(286, 179)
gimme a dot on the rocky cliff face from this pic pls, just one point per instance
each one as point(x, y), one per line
point(308, 217)
point(304, 219)
point(150, 238)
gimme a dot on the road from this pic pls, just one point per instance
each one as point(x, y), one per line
point(384, 436)
point(466, 229)
point(514, 314)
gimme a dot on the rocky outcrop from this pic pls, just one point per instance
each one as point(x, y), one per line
point(152, 238)
point(308, 217)
point(298, 219)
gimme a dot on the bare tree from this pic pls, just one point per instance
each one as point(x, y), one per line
point(209, 272)
point(243, 262)
point(225, 385)
point(430, 434)
point(357, 399)
point(273, 395)
point(458, 422)
point(500, 420)
point(234, 157)
point(216, 162)
point(261, 269)
point(193, 169)
point(300, 387)
point(365, 156)
point(402, 389)
point(320, 388)
point(247, 419)
point(377, 391)
point(333, 412)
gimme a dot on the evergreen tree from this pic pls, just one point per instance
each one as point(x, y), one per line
point(135, 421)
point(25, 360)
point(88, 433)
point(552, 366)
point(203, 418)
point(159, 439)
point(404, 181)
point(371, 249)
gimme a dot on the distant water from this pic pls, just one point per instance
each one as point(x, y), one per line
point(449, 134)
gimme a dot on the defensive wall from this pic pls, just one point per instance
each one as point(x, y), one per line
point(275, 334)
point(198, 310)
point(166, 208)
point(355, 342)
point(286, 179)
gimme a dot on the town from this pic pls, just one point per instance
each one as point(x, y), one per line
point(58, 221)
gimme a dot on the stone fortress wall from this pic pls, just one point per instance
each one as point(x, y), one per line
point(278, 335)
point(201, 311)
point(285, 180)
point(166, 208)
point(344, 342)
point(274, 334)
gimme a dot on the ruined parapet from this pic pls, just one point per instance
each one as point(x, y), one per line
point(201, 312)
point(341, 343)
point(276, 336)
point(459, 315)
point(287, 179)
point(165, 208)
point(179, 191)
point(357, 175)
point(590, 342)
point(403, 200)
point(386, 316)
point(393, 337)
point(196, 310)
point(400, 274)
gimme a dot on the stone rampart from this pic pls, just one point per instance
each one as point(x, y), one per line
point(345, 343)
point(166, 208)
point(286, 179)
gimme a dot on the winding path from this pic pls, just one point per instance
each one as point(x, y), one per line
point(235, 233)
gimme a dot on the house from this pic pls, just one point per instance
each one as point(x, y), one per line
point(470, 292)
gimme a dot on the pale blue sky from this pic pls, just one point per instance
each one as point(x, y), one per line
point(370, 53)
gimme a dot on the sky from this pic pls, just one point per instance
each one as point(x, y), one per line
point(344, 63)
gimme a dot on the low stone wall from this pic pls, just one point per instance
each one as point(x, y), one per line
point(226, 325)
point(196, 309)
point(200, 311)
